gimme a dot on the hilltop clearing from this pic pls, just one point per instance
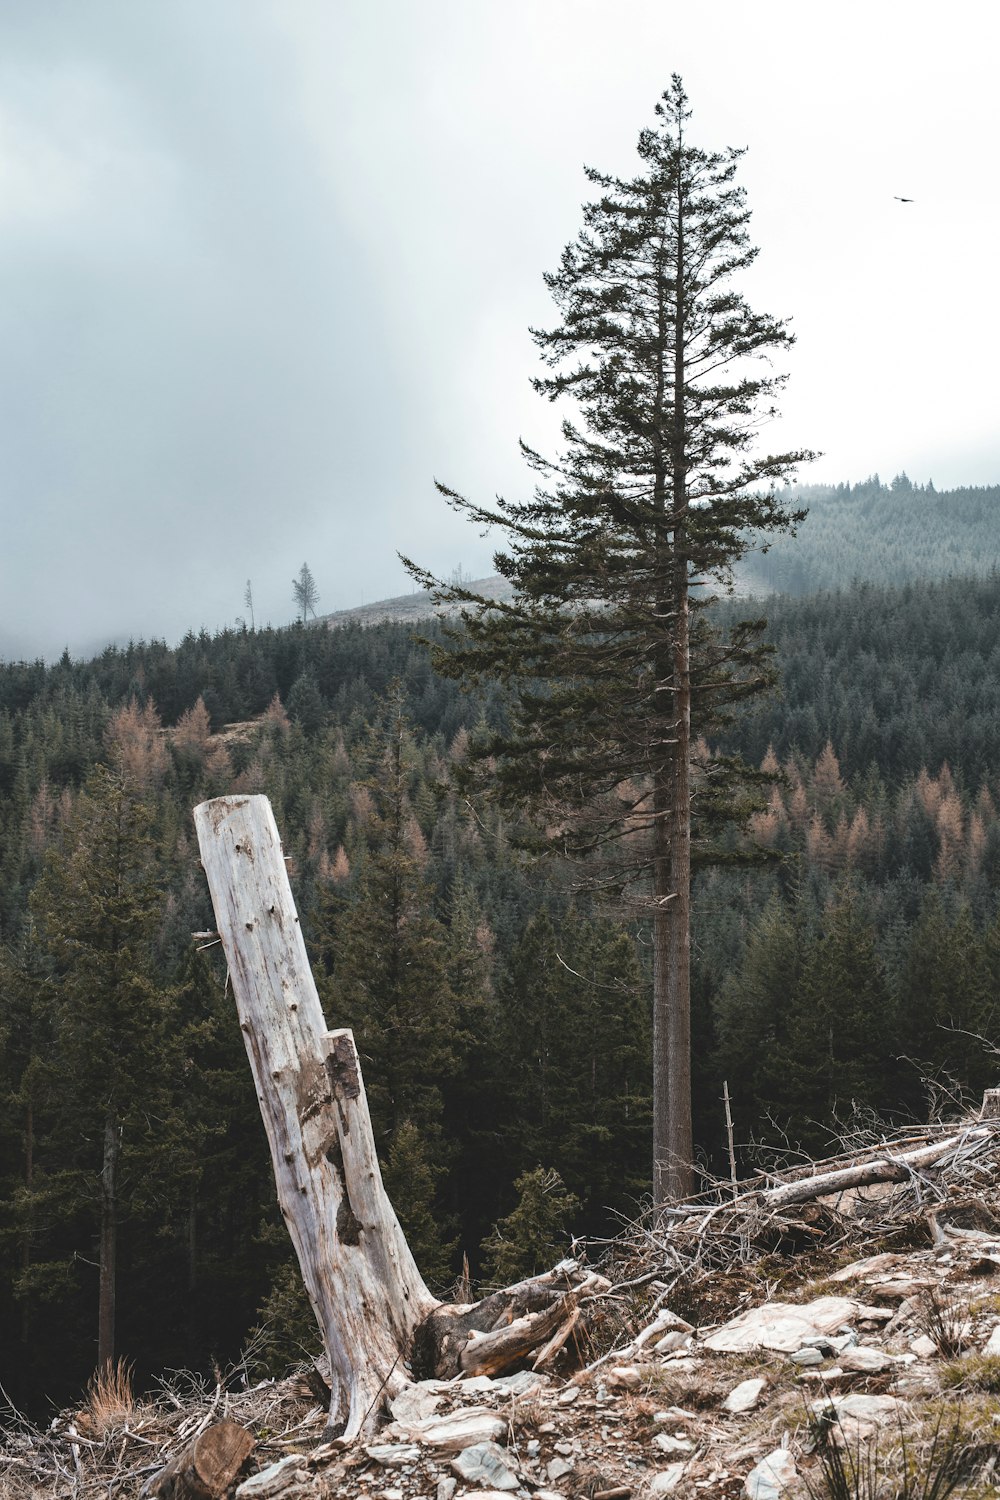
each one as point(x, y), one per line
point(408, 609)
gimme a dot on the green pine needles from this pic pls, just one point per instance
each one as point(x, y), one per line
point(615, 676)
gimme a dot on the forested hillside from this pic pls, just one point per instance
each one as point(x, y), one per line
point(502, 1019)
point(883, 533)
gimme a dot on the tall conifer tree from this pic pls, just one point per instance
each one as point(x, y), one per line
point(658, 491)
point(97, 905)
point(389, 960)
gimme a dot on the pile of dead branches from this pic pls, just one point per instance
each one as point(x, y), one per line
point(939, 1183)
point(115, 1442)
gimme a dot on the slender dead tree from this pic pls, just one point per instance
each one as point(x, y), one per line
point(305, 593)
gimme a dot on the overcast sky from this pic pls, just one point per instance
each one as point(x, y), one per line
point(267, 269)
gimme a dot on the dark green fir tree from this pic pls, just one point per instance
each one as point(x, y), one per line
point(835, 1051)
point(660, 489)
point(387, 959)
point(535, 1234)
point(96, 907)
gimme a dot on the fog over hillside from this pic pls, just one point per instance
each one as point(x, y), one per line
point(870, 532)
point(269, 270)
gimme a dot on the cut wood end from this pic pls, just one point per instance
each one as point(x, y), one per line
point(205, 1468)
point(991, 1105)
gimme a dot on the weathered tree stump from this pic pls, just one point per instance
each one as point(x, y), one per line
point(524, 1324)
point(365, 1289)
point(371, 1304)
point(205, 1468)
point(991, 1105)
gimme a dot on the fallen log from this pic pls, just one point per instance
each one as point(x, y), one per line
point(888, 1166)
point(205, 1468)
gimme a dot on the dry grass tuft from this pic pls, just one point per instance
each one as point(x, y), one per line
point(945, 1322)
point(894, 1466)
point(976, 1372)
point(110, 1398)
point(527, 1413)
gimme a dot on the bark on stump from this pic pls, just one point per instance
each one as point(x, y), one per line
point(524, 1324)
point(370, 1301)
point(365, 1289)
point(205, 1468)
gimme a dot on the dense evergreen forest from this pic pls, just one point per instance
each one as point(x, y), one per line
point(502, 1018)
point(881, 533)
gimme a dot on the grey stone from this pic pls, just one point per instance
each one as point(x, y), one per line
point(486, 1464)
point(460, 1429)
point(665, 1481)
point(845, 1340)
point(668, 1442)
point(782, 1326)
point(770, 1479)
point(807, 1356)
point(675, 1414)
point(475, 1385)
point(493, 1494)
point(831, 1343)
point(393, 1454)
point(857, 1415)
point(417, 1401)
point(522, 1383)
point(868, 1314)
point(675, 1339)
point(901, 1286)
point(865, 1359)
point(743, 1397)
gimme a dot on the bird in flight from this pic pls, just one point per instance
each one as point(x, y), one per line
point(903, 200)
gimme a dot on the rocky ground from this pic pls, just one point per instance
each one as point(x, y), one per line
point(886, 1345)
point(722, 1383)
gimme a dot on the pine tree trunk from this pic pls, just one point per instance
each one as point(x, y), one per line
point(365, 1289)
point(662, 1058)
point(109, 1242)
point(680, 1177)
point(29, 1213)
